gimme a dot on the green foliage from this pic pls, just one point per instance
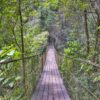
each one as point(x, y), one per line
point(9, 52)
point(96, 79)
point(11, 85)
point(35, 41)
point(72, 48)
point(81, 79)
point(98, 28)
point(47, 17)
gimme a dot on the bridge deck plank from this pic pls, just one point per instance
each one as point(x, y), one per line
point(50, 85)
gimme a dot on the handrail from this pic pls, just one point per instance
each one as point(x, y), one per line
point(89, 62)
point(14, 60)
point(82, 60)
point(96, 98)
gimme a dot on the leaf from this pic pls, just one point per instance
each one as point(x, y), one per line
point(5, 81)
point(1, 52)
point(18, 78)
point(98, 27)
point(11, 84)
point(1, 79)
point(11, 53)
point(96, 79)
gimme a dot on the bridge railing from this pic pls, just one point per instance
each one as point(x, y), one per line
point(72, 81)
point(11, 85)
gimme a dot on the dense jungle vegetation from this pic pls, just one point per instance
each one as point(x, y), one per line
point(24, 29)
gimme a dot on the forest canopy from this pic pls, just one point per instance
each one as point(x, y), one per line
point(25, 26)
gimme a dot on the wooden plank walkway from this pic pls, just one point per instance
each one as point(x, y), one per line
point(50, 85)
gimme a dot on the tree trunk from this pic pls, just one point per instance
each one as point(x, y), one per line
point(86, 31)
point(22, 44)
point(98, 31)
point(97, 41)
